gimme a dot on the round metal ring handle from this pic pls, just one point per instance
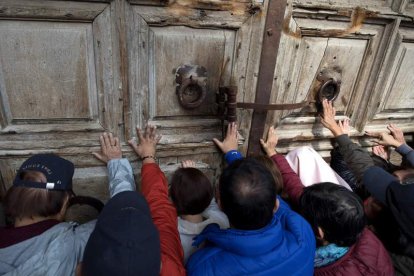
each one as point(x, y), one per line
point(329, 90)
point(187, 84)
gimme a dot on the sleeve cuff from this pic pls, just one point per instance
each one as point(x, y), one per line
point(120, 176)
point(404, 149)
point(232, 156)
point(343, 140)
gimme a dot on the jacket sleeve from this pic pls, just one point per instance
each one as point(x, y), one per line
point(407, 153)
point(154, 188)
point(292, 184)
point(120, 176)
point(377, 181)
point(232, 156)
point(357, 159)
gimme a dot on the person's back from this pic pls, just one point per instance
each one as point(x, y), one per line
point(266, 237)
point(345, 245)
point(38, 242)
point(56, 251)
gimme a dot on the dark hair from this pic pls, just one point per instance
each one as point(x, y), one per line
point(190, 191)
point(336, 210)
point(273, 169)
point(21, 202)
point(247, 194)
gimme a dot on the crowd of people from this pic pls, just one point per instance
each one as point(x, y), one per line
point(267, 215)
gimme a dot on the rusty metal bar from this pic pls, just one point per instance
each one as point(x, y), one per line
point(270, 47)
point(257, 106)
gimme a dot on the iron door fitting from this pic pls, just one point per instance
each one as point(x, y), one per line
point(191, 81)
point(330, 79)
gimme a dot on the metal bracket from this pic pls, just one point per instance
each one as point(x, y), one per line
point(227, 104)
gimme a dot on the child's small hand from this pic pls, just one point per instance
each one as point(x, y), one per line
point(344, 125)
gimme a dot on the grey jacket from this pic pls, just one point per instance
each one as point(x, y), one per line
point(58, 250)
point(357, 158)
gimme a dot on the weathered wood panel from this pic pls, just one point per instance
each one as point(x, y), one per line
point(58, 83)
point(395, 100)
point(53, 58)
point(176, 46)
point(156, 52)
point(321, 35)
point(52, 10)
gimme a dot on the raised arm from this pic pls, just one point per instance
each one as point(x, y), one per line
point(354, 155)
point(119, 170)
point(292, 184)
point(154, 187)
point(395, 139)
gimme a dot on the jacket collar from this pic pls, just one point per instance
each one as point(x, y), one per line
point(244, 242)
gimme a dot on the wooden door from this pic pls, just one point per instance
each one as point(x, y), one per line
point(370, 44)
point(70, 70)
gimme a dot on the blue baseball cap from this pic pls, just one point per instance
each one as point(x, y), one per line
point(58, 172)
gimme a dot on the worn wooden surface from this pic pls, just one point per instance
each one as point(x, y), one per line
point(50, 10)
point(70, 70)
point(111, 67)
point(374, 92)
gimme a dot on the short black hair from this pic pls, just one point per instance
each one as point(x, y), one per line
point(247, 194)
point(191, 191)
point(336, 210)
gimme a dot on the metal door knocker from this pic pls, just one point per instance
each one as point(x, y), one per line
point(191, 85)
point(329, 90)
point(330, 80)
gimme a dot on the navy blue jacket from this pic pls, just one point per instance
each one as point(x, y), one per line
point(286, 246)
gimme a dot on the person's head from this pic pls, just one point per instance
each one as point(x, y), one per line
point(190, 191)
point(270, 165)
point(247, 194)
point(335, 213)
point(41, 188)
point(125, 240)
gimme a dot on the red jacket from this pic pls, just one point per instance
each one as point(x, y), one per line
point(154, 188)
point(366, 257)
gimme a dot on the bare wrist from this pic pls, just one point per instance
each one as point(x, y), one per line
point(149, 160)
point(337, 131)
point(397, 144)
point(229, 149)
point(270, 153)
